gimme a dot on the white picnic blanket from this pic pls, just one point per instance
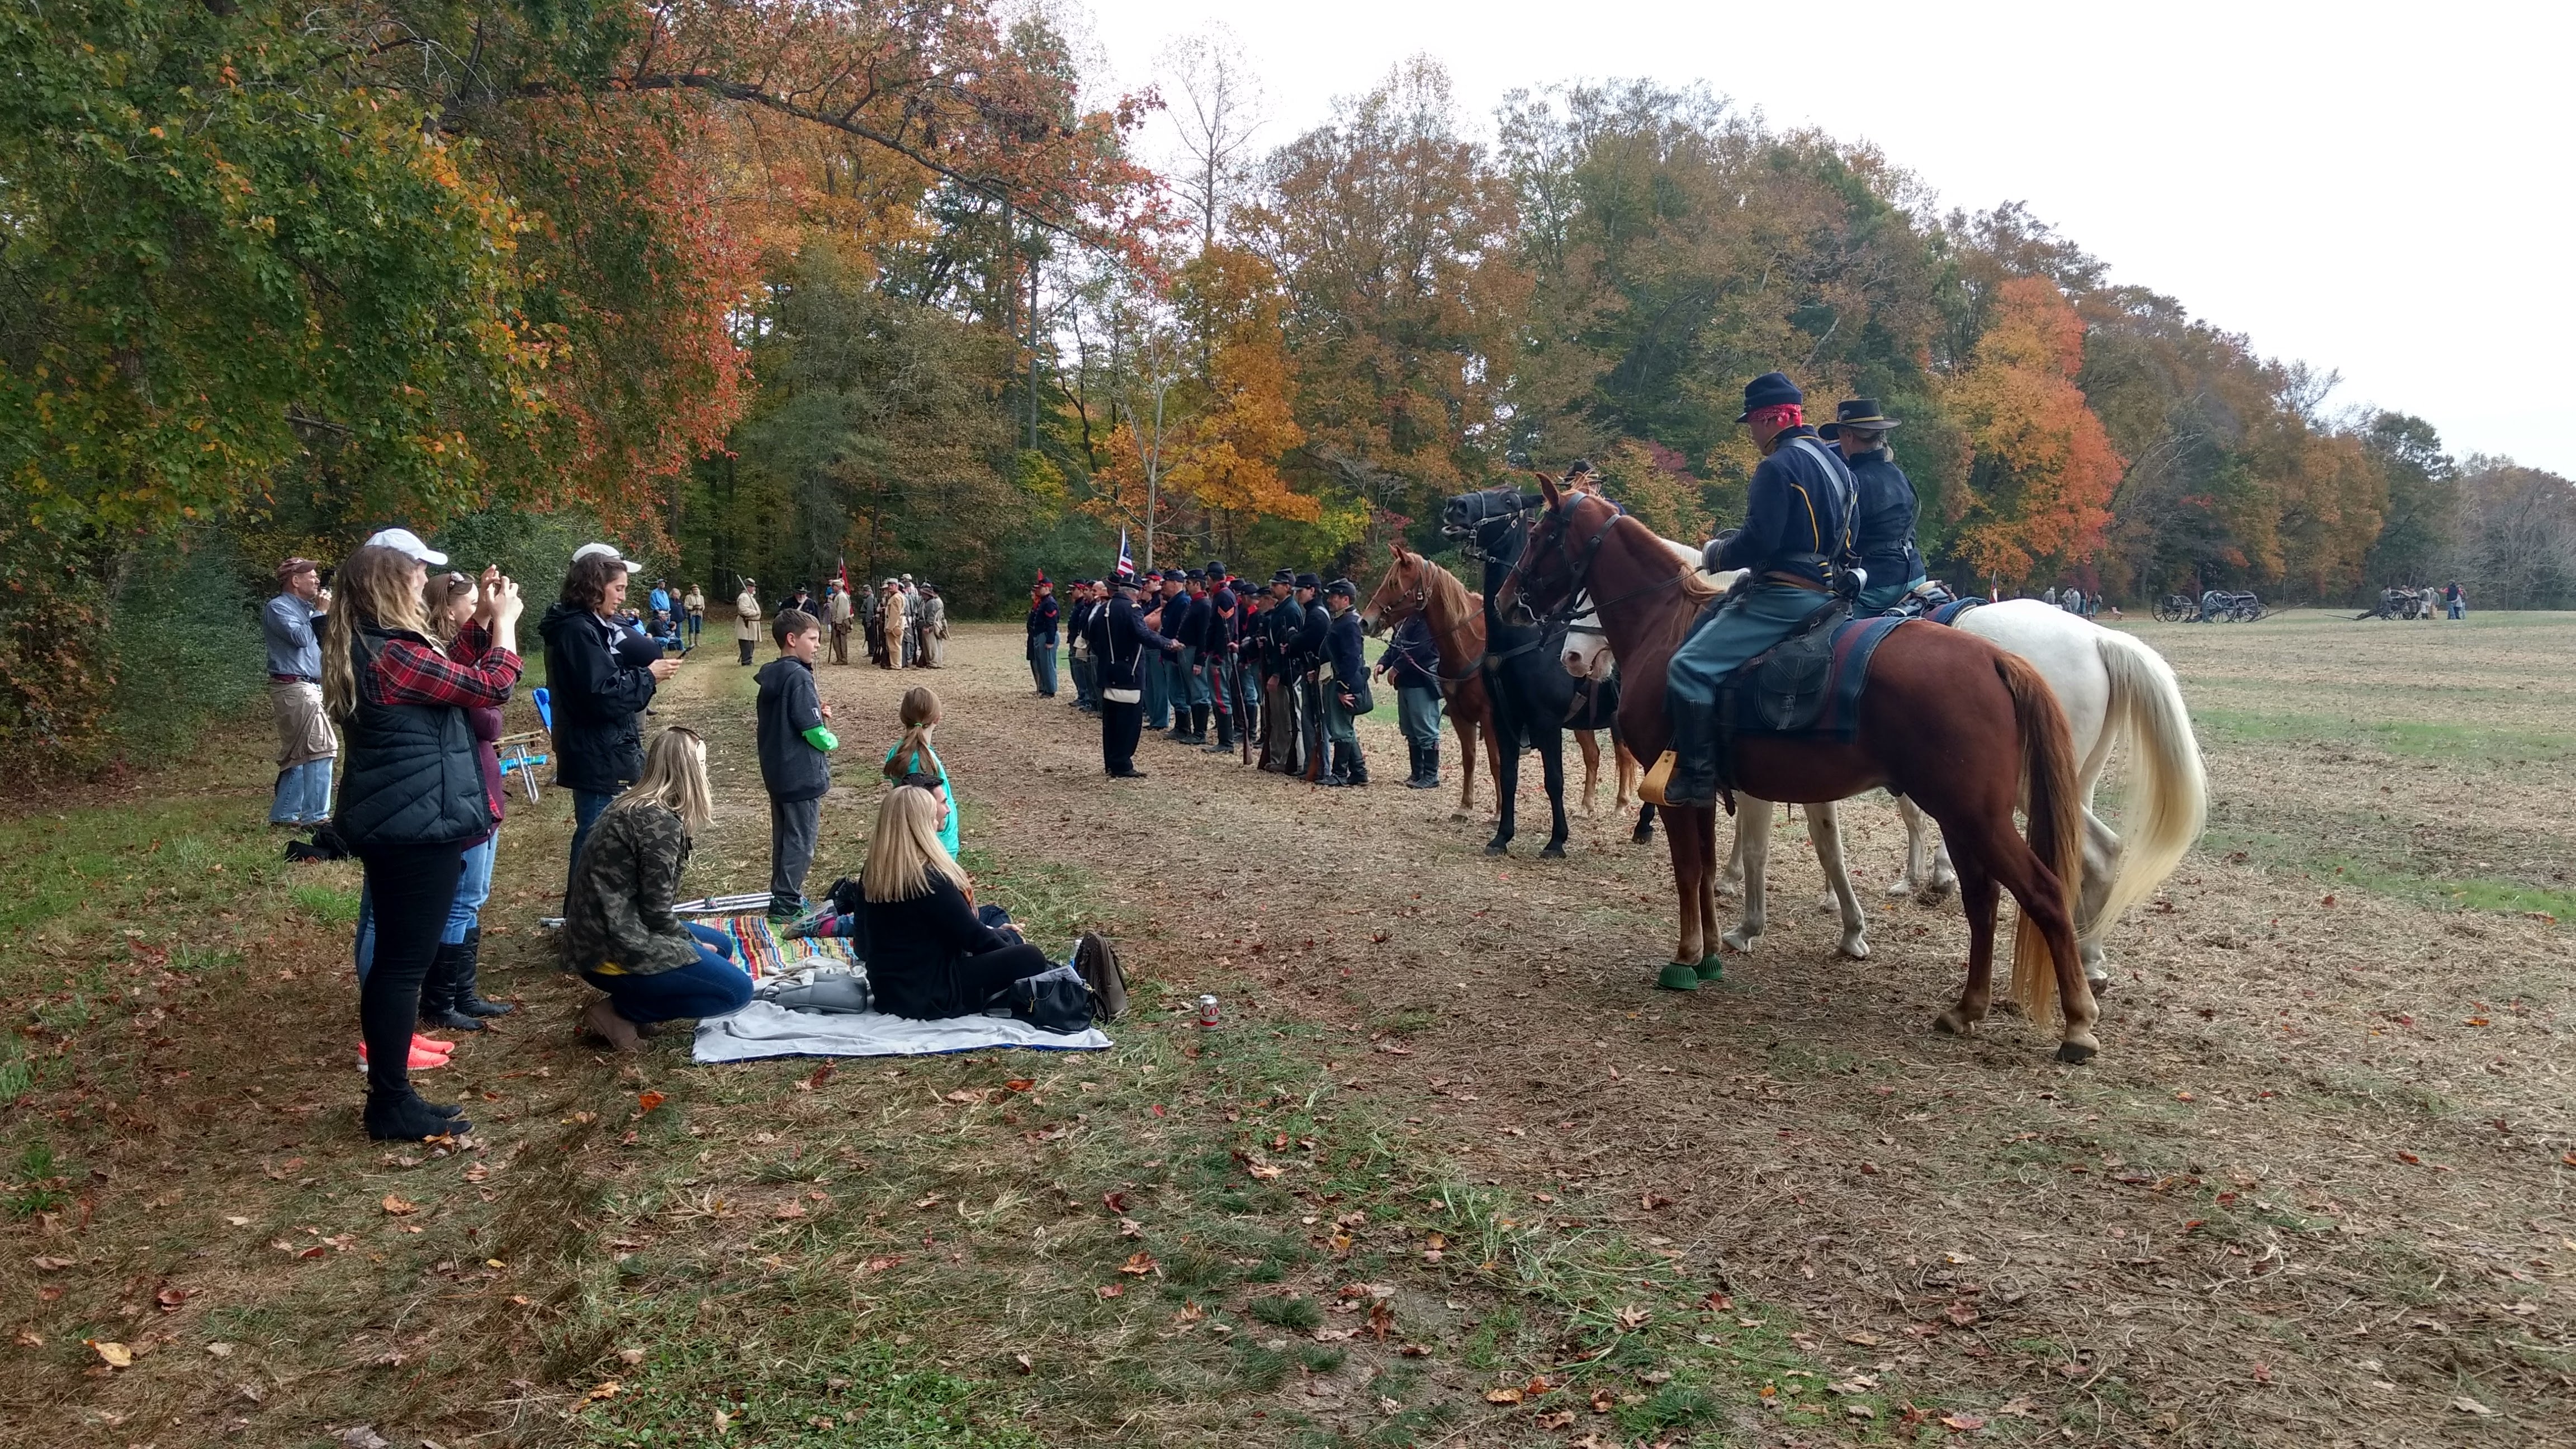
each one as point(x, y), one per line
point(763, 1029)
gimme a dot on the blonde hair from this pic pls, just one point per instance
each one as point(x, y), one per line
point(920, 711)
point(437, 596)
point(905, 852)
point(375, 589)
point(675, 778)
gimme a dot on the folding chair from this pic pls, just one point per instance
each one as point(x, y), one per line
point(518, 752)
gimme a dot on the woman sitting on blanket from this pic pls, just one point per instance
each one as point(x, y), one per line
point(618, 930)
point(931, 952)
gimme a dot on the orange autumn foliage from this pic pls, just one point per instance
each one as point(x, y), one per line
point(2043, 470)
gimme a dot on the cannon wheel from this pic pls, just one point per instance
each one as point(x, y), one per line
point(2172, 609)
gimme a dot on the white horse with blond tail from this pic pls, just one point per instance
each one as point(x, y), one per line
point(2113, 689)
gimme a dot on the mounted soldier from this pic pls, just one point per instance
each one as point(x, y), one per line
point(1795, 545)
point(1884, 506)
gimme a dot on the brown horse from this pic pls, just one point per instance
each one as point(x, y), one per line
point(1415, 585)
point(1948, 720)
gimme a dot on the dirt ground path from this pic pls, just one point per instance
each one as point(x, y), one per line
point(2316, 1190)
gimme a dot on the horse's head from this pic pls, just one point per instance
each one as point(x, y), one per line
point(1587, 647)
point(1547, 575)
point(1399, 596)
point(1485, 516)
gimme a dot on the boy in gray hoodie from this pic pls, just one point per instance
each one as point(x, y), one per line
point(796, 741)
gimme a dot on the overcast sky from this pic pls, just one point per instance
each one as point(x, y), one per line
point(2378, 189)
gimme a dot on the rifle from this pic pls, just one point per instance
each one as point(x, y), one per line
point(1314, 731)
point(1242, 736)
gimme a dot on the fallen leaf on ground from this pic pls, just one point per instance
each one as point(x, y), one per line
point(171, 1298)
point(1020, 1084)
point(362, 1436)
point(1022, 1360)
point(723, 1420)
point(119, 1356)
point(1109, 1290)
point(1138, 1264)
point(51, 1264)
point(398, 1207)
point(1190, 1312)
point(1864, 1338)
point(1633, 1316)
point(880, 1263)
point(2019, 1408)
point(1555, 1419)
point(814, 1081)
point(1961, 1313)
point(647, 1101)
point(2464, 1404)
point(1503, 1396)
point(604, 1389)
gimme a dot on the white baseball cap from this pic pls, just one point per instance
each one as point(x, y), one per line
point(610, 549)
point(403, 540)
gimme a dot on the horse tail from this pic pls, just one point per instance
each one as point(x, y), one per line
point(2056, 815)
point(2167, 801)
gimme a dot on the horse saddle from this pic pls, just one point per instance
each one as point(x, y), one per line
point(1809, 683)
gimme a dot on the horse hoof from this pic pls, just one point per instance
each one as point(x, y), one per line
point(1642, 834)
point(1899, 891)
point(1857, 948)
point(1495, 847)
point(2075, 1053)
point(1460, 815)
point(1954, 1023)
point(1678, 976)
point(1739, 941)
point(1555, 851)
point(1712, 968)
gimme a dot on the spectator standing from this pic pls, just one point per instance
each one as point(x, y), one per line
point(414, 793)
point(911, 622)
point(746, 619)
point(2455, 600)
point(1042, 624)
point(305, 745)
point(600, 685)
point(1412, 664)
point(448, 994)
point(619, 933)
point(696, 605)
point(660, 598)
point(796, 741)
point(898, 633)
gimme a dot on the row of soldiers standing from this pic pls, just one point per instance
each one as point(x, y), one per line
point(1185, 649)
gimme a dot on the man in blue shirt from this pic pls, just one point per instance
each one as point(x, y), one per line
point(1795, 541)
point(1884, 508)
point(305, 744)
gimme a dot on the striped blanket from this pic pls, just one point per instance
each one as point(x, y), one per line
point(764, 955)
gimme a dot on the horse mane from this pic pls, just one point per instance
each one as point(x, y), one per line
point(1456, 598)
point(1694, 587)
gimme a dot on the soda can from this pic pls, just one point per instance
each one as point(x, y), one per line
point(1207, 1011)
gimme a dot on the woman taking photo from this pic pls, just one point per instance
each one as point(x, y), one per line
point(448, 997)
point(618, 930)
point(598, 691)
point(412, 797)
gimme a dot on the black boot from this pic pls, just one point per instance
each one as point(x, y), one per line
point(1430, 767)
point(1199, 722)
point(438, 1001)
point(1695, 749)
point(1224, 736)
point(1336, 771)
point(469, 960)
point(1357, 771)
point(403, 1117)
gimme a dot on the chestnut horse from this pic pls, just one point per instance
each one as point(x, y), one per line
point(1948, 720)
point(1456, 616)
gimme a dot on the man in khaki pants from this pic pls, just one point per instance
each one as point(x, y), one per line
point(305, 744)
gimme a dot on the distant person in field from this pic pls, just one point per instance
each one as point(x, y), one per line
point(2456, 600)
point(839, 615)
point(934, 628)
point(696, 604)
point(1042, 625)
point(897, 627)
point(746, 619)
point(305, 745)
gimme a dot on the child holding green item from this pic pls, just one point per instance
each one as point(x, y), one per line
point(913, 755)
point(796, 742)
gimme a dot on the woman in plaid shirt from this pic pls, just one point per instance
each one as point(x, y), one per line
point(413, 795)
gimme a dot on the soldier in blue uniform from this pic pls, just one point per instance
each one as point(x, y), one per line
point(1795, 540)
point(1314, 622)
point(1883, 510)
point(1344, 686)
point(1123, 647)
point(1185, 619)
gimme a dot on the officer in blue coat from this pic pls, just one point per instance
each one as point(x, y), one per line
point(1344, 685)
point(1124, 648)
point(1795, 541)
point(1883, 510)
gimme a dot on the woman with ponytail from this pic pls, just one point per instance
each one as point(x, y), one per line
point(412, 796)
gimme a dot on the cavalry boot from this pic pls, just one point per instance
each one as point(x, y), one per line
point(469, 960)
point(1224, 736)
point(1428, 777)
point(1358, 771)
point(1199, 722)
point(1695, 748)
point(439, 1001)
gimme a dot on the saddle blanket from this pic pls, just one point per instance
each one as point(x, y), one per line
point(1809, 685)
point(1949, 613)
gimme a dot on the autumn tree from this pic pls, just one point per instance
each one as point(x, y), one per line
point(2039, 488)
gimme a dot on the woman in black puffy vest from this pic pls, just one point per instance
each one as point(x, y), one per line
point(411, 794)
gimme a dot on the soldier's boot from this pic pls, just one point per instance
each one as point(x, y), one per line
point(1199, 722)
point(1336, 771)
point(1224, 735)
point(1358, 770)
point(1695, 747)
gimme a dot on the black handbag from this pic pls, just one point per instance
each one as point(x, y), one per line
point(1056, 1001)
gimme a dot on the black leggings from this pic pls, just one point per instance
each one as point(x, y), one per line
point(981, 978)
point(411, 888)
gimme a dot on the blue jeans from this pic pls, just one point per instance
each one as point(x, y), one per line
point(473, 888)
point(1042, 665)
point(712, 986)
point(2459, 610)
point(303, 794)
point(587, 806)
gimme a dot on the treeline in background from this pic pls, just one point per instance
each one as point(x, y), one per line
point(762, 288)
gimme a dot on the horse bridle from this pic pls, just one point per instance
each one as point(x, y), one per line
point(1420, 604)
point(1580, 583)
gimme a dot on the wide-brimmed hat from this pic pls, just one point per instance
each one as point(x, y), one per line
point(1771, 389)
point(1858, 412)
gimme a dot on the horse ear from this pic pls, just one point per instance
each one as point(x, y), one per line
point(1395, 546)
point(1547, 489)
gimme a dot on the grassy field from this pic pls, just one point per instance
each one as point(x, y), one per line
point(1448, 1173)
